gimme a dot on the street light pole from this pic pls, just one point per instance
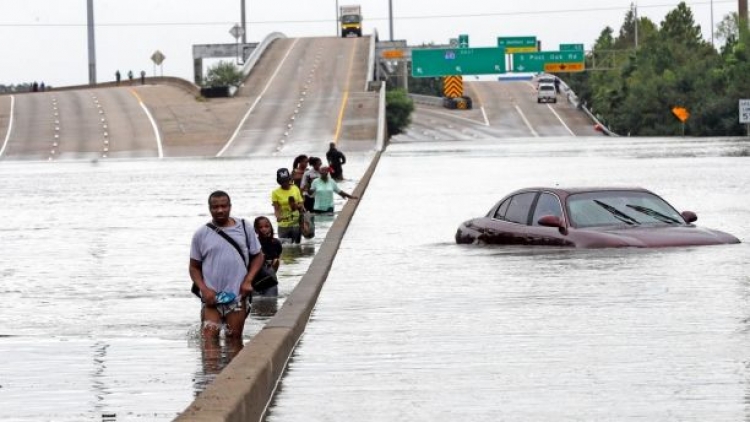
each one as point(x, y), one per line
point(92, 47)
point(244, 23)
point(712, 23)
point(636, 24)
point(390, 17)
point(337, 18)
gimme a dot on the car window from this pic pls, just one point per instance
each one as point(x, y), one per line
point(519, 208)
point(548, 204)
point(626, 208)
point(546, 87)
point(502, 209)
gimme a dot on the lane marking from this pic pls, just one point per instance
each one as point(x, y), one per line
point(561, 120)
point(10, 124)
point(340, 120)
point(486, 120)
point(481, 103)
point(442, 113)
point(257, 100)
point(157, 136)
point(525, 120)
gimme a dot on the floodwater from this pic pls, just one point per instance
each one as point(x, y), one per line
point(412, 327)
point(96, 319)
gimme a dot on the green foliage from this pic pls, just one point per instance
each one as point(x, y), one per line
point(672, 66)
point(398, 109)
point(223, 74)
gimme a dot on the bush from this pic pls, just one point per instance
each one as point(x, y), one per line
point(398, 109)
point(223, 74)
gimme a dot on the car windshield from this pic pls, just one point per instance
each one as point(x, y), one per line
point(546, 87)
point(350, 19)
point(620, 208)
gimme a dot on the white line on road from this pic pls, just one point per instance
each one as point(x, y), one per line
point(486, 120)
point(257, 100)
point(10, 124)
point(453, 116)
point(561, 120)
point(157, 135)
point(525, 120)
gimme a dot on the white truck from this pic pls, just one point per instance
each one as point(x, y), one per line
point(351, 20)
point(546, 93)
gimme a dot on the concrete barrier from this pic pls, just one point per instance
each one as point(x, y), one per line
point(154, 80)
point(427, 100)
point(244, 389)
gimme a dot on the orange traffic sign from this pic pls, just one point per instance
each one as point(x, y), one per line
point(681, 112)
point(453, 86)
point(564, 67)
point(393, 54)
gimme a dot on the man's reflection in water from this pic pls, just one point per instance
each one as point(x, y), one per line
point(216, 353)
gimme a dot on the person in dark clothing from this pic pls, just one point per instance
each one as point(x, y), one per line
point(117, 77)
point(270, 245)
point(336, 159)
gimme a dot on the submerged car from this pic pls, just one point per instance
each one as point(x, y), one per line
point(588, 218)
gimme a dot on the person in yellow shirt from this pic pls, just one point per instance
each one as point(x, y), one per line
point(287, 205)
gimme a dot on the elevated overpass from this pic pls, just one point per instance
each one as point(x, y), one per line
point(300, 94)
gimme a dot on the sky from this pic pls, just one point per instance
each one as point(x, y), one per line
point(46, 40)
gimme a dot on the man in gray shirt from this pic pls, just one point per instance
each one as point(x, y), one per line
point(222, 273)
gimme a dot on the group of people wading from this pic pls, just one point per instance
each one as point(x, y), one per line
point(226, 256)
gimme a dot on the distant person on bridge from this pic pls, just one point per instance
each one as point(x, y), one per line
point(117, 77)
point(143, 77)
point(130, 76)
point(323, 189)
point(336, 159)
point(222, 270)
point(287, 206)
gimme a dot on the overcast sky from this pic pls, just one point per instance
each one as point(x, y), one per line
point(46, 40)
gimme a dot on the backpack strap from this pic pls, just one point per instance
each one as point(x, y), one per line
point(229, 239)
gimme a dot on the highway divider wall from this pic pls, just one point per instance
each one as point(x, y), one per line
point(153, 80)
point(243, 391)
point(258, 52)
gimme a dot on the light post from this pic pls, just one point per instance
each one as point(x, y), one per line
point(390, 18)
point(244, 23)
point(91, 42)
point(337, 18)
point(712, 23)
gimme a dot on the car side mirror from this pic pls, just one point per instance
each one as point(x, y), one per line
point(550, 221)
point(689, 216)
point(553, 221)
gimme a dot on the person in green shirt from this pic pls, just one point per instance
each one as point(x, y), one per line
point(323, 188)
point(287, 205)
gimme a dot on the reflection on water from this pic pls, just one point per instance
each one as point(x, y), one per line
point(97, 321)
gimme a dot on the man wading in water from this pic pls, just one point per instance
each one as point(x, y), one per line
point(222, 272)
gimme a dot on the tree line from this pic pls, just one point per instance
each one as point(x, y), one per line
point(635, 79)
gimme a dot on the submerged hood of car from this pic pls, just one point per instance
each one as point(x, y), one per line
point(666, 236)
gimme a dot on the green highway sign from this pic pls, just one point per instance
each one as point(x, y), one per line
point(428, 63)
point(463, 41)
point(517, 44)
point(534, 62)
point(571, 47)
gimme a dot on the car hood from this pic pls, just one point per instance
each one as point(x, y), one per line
point(665, 236)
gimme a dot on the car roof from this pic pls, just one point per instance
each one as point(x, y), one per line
point(567, 191)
